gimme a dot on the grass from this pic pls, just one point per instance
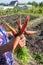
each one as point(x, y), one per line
point(36, 11)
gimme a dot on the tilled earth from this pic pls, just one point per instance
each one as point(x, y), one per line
point(34, 42)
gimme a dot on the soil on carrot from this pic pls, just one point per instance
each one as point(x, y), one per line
point(34, 42)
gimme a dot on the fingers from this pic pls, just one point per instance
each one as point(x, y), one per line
point(22, 41)
point(22, 37)
point(10, 33)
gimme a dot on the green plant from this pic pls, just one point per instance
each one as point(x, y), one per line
point(38, 57)
point(23, 54)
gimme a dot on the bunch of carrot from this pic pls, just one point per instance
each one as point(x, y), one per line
point(22, 30)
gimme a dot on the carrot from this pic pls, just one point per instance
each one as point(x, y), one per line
point(22, 28)
point(19, 23)
point(13, 30)
point(30, 32)
point(16, 41)
point(25, 24)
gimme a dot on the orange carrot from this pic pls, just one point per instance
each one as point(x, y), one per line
point(22, 28)
point(25, 24)
point(30, 32)
point(19, 23)
point(13, 30)
point(16, 41)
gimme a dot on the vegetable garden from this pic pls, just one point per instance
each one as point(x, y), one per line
point(33, 52)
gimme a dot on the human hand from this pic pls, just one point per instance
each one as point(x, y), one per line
point(10, 33)
point(22, 41)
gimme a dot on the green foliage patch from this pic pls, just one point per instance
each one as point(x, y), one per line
point(23, 55)
point(38, 57)
point(32, 11)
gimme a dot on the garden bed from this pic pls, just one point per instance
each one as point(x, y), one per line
point(34, 42)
